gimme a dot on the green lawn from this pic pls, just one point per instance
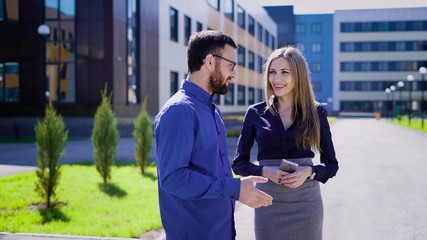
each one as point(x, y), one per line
point(415, 123)
point(128, 207)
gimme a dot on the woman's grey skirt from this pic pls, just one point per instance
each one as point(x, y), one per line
point(296, 214)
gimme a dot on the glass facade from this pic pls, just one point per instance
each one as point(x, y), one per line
point(229, 9)
point(9, 82)
point(9, 10)
point(133, 91)
point(187, 29)
point(173, 20)
point(60, 51)
point(391, 26)
point(377, 46)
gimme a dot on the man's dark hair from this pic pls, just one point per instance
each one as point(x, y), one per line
point(203, 43)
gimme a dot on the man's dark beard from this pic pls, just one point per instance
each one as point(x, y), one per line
point(215, 81)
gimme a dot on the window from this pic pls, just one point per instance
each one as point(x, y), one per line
point(229, 97)
point(260, 32)
point(267, 38)
point(173, 18)
point(199, 26)
point(214, 4)
point(273, 43)
point(241, 17)
point(9, 82)
point(241, 56)
point(60, 51)
point(187, 22)
point(229, 9)
point(316, 66)
point(260, 61)
point(316, 85)
point(316, 28)
point(260, 95)
point(251, 25)
point(133, 91)
point(9, 10)
point(251, 60)
point(174, 83)
point(241, 95)
point(300, 28)
point(301, 47)
point(316, 47)
point(251, 95)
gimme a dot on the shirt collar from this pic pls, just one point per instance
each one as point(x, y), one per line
point(197, 92)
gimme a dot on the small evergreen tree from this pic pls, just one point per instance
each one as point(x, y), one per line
point(50, 140)
point(143, 133)
point(104, 137)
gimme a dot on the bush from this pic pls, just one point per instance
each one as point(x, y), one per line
point(50, 141)
point(104, 137)
point(143, 134)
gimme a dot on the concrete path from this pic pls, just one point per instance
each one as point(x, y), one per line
point(378, 193)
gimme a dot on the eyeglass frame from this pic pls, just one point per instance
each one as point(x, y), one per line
point(228, 60)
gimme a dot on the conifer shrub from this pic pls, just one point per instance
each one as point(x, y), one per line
point(105, 137)
point(143, 133)
point(50, 137)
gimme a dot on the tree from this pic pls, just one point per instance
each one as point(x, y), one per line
point(143, 133)
point(50, 141)
point(104, 137)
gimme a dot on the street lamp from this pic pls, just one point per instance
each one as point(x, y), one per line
point(423, 72)
point(400, 85)
point(44, 31)
point(387, 91)
point(410, 78)
point(392, 89)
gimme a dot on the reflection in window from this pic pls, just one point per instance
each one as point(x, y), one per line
point(251, 95)
point(241, 56)
point(251, 25)
point(173, 21)
point(9, 10)
point(229, 97)
point(174, 83)
point(9, 82)
point(133, 91)
point(300, 28)
point(187, 29)
point(241, 17)
point(251, 60)
point(60, 51)
point(260, 32)
point(241, 95)
point(214, 4)
point(229, 9)
point(199, 26)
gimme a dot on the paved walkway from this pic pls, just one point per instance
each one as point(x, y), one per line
point(378, 193)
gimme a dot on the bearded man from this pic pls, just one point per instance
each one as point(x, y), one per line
point(197, 191)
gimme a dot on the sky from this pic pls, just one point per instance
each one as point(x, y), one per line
point(329, 6)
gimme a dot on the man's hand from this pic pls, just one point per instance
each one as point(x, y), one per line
point(251, 196)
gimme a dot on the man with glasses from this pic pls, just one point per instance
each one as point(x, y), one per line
point(197, 191)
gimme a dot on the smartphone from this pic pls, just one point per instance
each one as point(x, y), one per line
point(288, 166)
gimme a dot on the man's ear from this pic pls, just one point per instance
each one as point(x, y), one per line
point(209, 62)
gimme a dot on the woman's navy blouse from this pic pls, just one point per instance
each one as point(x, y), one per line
point(274, 142)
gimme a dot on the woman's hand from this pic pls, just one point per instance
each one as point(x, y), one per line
point(273, 173)
point(297, 178)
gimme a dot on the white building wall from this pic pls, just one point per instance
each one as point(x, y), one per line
point(173, 55)
point(373, 15)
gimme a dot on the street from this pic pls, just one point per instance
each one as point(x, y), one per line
point(379, 191)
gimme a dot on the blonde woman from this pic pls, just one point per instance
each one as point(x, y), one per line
point(289, 125)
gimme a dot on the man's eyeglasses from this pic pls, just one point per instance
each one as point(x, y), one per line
point(228, 60)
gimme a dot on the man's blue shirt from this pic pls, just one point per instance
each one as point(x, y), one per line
point(197, 190)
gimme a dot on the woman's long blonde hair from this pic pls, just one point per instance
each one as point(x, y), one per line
point(305, 107)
